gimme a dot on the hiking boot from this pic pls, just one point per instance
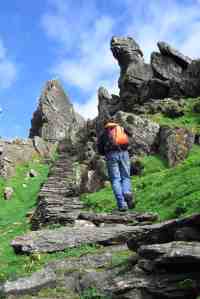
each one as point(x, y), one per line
point(129, 200)
point(123, 209)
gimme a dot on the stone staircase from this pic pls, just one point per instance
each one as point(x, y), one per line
point(58, 200)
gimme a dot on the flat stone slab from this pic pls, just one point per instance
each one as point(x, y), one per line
point(175, 252)
point(185, 229)
point(67, 237)
point(133, 218)
point(135, 236)
point(31, 284)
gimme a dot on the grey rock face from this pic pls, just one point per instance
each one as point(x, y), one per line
point(170, 73)
point(175, 144)
point(143, 132)
point(165, 232)
point(125, 50)
point(29, 285)
point(108, 105)
point(20, 151)
point(172, 253)
point(165, 67)
point(167, 50)
point(55, 118)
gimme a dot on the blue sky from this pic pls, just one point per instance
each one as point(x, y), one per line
point(70, 40)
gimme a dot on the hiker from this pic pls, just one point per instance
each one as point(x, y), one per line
point(113, 144)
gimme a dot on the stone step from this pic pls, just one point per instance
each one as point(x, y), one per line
point(135, 236)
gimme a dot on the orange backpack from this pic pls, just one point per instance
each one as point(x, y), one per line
point(117, 134)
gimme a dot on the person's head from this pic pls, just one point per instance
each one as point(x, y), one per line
point(110, 123)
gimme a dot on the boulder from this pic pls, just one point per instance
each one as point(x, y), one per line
point(7, 193)
point(54, 118)
point(143, 132)
point(91, 181)
point(175, 144)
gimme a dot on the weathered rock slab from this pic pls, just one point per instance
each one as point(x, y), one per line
point(165, 67)
point(62, 238)
point(168, 50)
point(28, 285)
point(165, 232)
point(133, 218)
point(59, 239)
point(175, 144)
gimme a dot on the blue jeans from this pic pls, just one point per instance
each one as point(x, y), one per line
point(118, 165)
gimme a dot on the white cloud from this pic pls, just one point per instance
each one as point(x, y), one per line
point(89, 108)
point(8, 70)
point(172, 21)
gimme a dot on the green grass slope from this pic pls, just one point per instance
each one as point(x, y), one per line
point(170, 192)
point(13, 220)
point(190, 119)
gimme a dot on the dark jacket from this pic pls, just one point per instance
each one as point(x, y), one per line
point(105, 145)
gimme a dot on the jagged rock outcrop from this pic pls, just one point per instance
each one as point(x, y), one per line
point(175, 144)
point(20, 151)
point(170, 73)
point(108, 105)
point(55, 118)
point(167, 50)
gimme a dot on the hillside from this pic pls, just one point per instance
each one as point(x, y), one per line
point(170, 192)
point(61, 234)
